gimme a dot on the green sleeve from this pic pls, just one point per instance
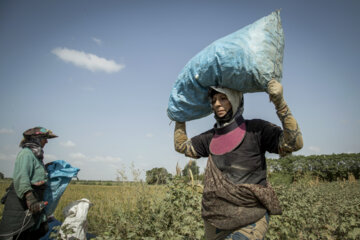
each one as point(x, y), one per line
point(24, 166)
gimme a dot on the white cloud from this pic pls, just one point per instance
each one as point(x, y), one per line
point(87, 60)
point(6, 131)
point(88, 89)
point(68, 144)
point(77, 163)
point(50, 157)
point(99, 134)
point(107, 159)
point(149, 135)
point(97, 41)
point(3, 157)
point(314, 149)
point(102, 159)
point(7, 157)
point(113, 166)
point(77, 155)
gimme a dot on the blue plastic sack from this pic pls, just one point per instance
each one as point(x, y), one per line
point(245, 60)
point(60, 174)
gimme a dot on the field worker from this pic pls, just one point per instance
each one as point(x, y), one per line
point(23, 216)
point(237, 199)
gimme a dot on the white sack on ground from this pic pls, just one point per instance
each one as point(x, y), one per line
point(76, 219)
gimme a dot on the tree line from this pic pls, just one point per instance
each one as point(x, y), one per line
point(329, 167)
point(326, 167)
point(162, 176)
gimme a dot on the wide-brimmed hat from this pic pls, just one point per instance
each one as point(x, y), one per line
point(39, 131)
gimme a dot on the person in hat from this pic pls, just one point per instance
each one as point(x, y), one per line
point(237, 198)
point(23, 215)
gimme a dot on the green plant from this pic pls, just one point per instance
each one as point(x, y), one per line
point(319, 210)
point(157, 176)
point(177, 216)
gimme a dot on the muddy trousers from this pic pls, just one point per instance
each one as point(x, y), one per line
point(253, 231)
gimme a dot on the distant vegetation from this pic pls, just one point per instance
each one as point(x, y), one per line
point(325, 167)
point(320, 197)
point(157, 176)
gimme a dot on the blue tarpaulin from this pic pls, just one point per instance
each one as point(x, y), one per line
point(60, 174)
point(245, 60)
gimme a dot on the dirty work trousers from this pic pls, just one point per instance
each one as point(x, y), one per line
point(253, 231)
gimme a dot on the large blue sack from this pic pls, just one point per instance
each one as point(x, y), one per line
point(60, 174)
point(245, 60)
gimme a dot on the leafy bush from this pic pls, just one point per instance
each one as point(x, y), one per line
point(157, 176)
point(177, 216)
point(317, 211)
point(311, 210)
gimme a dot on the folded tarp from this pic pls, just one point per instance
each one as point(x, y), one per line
point(60, 174)
point(245, 60)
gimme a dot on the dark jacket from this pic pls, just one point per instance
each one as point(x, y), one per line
point(16, 217)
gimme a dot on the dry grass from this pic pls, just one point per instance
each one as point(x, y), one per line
point(315, 181)
point(106, 200)
point(351, 178)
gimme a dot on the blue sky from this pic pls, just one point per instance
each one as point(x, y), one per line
point(99, 74)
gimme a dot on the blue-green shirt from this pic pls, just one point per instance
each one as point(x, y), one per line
point(28, 171)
